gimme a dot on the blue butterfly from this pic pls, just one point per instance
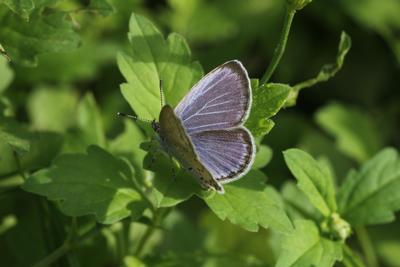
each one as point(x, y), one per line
point(205, 132)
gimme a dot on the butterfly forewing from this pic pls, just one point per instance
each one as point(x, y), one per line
point(220, 100)
point(177, 143)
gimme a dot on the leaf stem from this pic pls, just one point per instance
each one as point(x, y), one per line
point(366, 246)
point(68, 244)
point(280, 48)
point(159, 215)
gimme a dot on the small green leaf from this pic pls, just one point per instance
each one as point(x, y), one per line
point(313, 179)
point(94, 183)
point(60, 112)
point(306, 247)
point(153, 59)
point(249, 203)
point(268, 99)
point(370, 196)
point(356, 134)
point(21, 7)
point(90, 122)
point(24, 40)
point(101, 6)
point(6, 74)
point(327, 71)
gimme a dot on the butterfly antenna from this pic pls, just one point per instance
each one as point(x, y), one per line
point(162, 93)
point(133, 117)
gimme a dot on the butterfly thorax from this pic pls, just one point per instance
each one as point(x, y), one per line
point(176, 142)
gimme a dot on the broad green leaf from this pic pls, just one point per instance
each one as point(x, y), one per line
point(306, 247)
point(314, 180)
point(297, 203)
point(24, 40)
point(327, 71)
point(95, 183)
point(89, 121)
point(60, 111)
point(101, 6)
point(356, 134)
point(250, 203)
point(371, 195)
point(21, 7)
point(268, 99)
point(150, 60)
point(263, 157)
point(131, 261)
point(6, 74)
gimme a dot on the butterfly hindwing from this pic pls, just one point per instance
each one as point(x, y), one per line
point(227, 154)
point(220, 100)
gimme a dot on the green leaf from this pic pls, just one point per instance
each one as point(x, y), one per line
point(249, 203)
point(6, 74)
point(370, 196)
point(101, 6)
point(90, 123)
point(268, 99)
point(60, 111)
point(314, 179)
point(153, 59)
point(21, 7)
point(327, 71)
point(350, 258)
point(94, 183)
point(389, 252)
point(24, 40)
point(356, 134)
point(306, 247)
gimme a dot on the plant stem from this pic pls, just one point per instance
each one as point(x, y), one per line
point(366, 246)
point(159, 215)
point(66, 247)
point(280, 48)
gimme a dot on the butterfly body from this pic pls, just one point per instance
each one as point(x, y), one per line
point(177, 143)
point(205, 132)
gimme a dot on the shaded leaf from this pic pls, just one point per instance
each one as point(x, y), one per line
point(21, 7)
point(250, 203)
point(15, 135)
point(263, 157)
point(268, 99)
point(94, 183)
point(153, 59)
point(356, 133)
point(370, 195)
point(306, 247)
point(314, 179)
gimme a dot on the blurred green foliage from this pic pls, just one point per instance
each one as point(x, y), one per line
point(61, 91)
